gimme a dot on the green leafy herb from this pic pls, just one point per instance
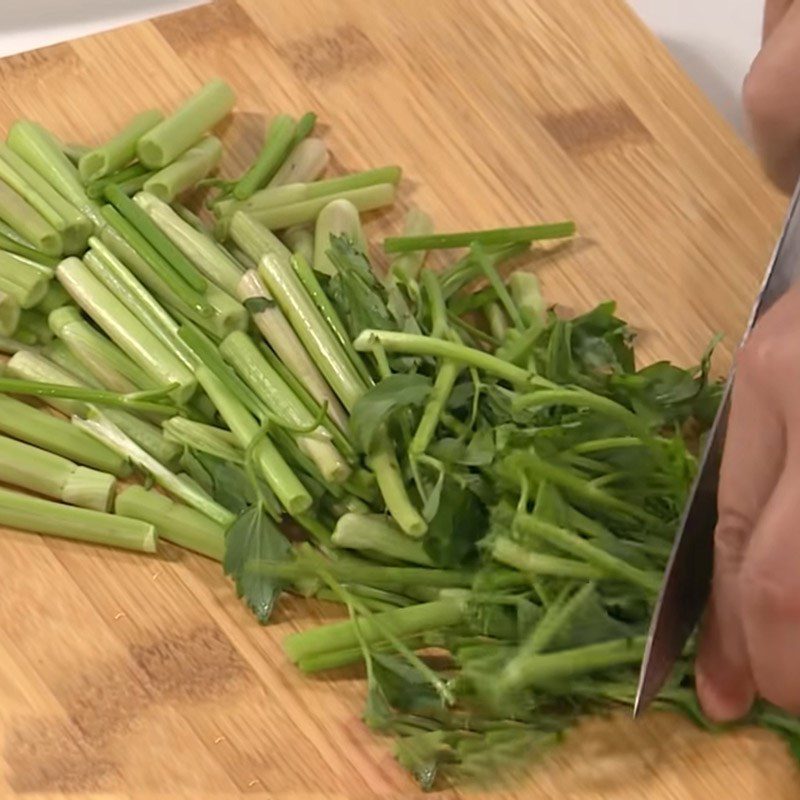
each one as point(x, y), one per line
point(254, 537)
point(383, 402)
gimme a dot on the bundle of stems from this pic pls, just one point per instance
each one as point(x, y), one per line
point(467, 470)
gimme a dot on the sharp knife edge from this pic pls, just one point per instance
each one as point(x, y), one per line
point(687, 579)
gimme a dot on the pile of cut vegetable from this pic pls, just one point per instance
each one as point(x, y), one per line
point(489, 489)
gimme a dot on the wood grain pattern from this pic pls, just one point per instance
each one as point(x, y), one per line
point(126, 676)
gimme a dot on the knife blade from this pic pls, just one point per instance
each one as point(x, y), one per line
point(687, 580)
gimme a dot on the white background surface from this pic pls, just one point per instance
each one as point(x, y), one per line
point(28, 24)
point(714, 40)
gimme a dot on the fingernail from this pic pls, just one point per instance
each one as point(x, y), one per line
point(721, 703)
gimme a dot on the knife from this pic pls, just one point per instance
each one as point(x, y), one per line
point(687, 579)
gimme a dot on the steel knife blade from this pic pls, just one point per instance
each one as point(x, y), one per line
point(687, 580)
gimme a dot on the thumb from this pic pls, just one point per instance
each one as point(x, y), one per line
point(751, 464)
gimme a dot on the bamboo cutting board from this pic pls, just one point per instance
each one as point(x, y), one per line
point(128, 676)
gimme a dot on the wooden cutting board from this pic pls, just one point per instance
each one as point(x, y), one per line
point(122, 675)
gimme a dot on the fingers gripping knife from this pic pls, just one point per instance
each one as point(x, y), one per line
point(687, 580)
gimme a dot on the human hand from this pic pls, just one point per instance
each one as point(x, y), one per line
point(750, 637)
point(771, 94)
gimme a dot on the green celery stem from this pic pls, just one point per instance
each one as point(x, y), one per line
point(157, 271)
point(277, 473)
point(367, 573)
point(9, 314)
point(279, 139)
point(325, 190)
point(24, 280)
point(367, 198)
point(155, 238)
point(36, 470)
point(119, 151)
point(56, 435)
point(73, 227)
point(28, 222)
point(572, 543)
point(400, 623)
point(38, 148)
point(101, 357)
point(119, 280)
point(212, 260)
point(417, 345)
point(494, 237)
point(242, 354)
point(535, 564)
point(34, 514)
point(406, 266)
point(166, 141)
point(182, 174)
point(374, 533)
point(383, 463)
point(338, 218)
point(139, 343)
point(174, 522)
point(543, 670)
point(442, 388)
point(289, 350)
point(305, 163)
point(309, 325)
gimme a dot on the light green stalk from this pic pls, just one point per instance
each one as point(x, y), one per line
point(176, 134)
point(278, 141)
point(34, 514)
point(175, 260)
point(327, 190)
point(413, 344)
point(399, 623)
point(118, 279)
point(280, 335)
point(338, 218)
point(100, 356)
point(73, 227)
point(29, 424)
point(492, 238)
point(222, 315)
point(406, 267)
point(243, 355)
point(544, 669)
point(37, 147)
point(534, 564)
point(205, 438)
point(102, 429)
point(9, 314)
point(183, 173)
point(300, 240)
point(287, 487)
point(173, 521)
point(36, 367)
point(55, 297)
point(17, 212)
point(527, 295)
point(312, 330)
point(118, 151)
point(569, 542)
point(36, 470)
point(305, 163)
point(25, 280)
point(279, 217)
point(12, 242)
point(139, 343)
point(212, 260)
point(374, 533)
